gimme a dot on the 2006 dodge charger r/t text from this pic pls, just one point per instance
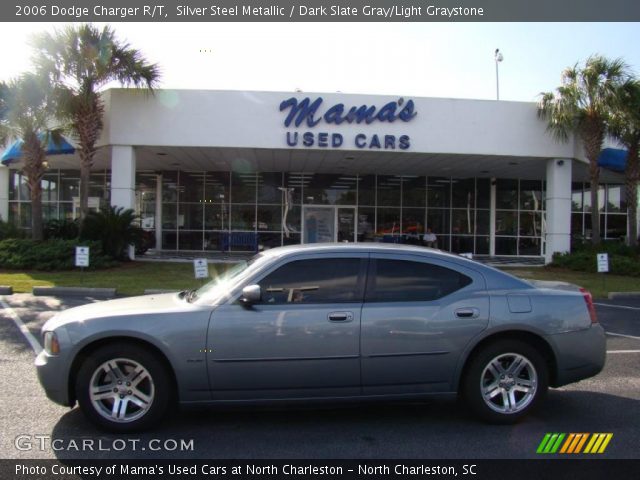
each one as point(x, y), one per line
point(325, 322)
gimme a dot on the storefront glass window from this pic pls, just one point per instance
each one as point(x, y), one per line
point(388, 188)
point(414, 191)
point(463, 193)
point(506, 194)
point(243, 187)
point(438, 192)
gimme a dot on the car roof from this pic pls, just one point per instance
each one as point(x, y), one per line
point(354, 247)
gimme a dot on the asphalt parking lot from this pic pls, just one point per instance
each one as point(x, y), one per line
point(437, 428)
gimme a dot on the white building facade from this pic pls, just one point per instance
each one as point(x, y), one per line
point(241, 171)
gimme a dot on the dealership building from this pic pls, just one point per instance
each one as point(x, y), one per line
point(241, 171)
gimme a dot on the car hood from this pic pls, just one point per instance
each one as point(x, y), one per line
point(142, 305)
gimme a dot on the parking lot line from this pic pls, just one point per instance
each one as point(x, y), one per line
point(623, 351)
point(617, 306)
point(33, 341)
point(622, 335)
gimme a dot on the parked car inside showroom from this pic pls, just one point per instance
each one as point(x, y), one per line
point(325, 322)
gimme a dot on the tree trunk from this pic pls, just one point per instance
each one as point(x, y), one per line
point(632, 177)
point(593, 136)
point(36, 212)
point(85, 172)
point(87, 124)
point(34, 156)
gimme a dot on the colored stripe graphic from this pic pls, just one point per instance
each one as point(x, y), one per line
point(574, 443)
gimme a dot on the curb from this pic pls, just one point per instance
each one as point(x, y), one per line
point(6, 290)
point(156, 291)
point(74, 292)
point(614, 295)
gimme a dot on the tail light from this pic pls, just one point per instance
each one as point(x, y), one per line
point(589, 301)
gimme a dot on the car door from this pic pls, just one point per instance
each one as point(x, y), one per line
point(301, 340)
point(418, 315)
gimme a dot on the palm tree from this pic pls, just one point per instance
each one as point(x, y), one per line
point(79, 61)
point(27, 116)
point(582, 104)
point(625, 126)
point(4, 96)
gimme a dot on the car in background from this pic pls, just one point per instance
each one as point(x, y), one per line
point(325, 322)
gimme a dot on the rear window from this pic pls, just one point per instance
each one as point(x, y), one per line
point(407, 281)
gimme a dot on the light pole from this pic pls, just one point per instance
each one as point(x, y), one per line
point(498, 58)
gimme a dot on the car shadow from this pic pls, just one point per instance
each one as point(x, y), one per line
point(436, 428)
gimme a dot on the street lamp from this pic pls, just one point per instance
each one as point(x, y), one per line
point(498, 58)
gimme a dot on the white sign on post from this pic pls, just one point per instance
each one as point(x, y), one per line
point(603, 262)
point(201, 268)
point(82, 256)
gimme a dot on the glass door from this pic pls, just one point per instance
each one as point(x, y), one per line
point(322, 224)
point(346, 228)
point(318, 224)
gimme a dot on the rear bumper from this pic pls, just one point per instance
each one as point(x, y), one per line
point(579, 355)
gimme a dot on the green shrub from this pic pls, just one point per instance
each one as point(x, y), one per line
point(64, 229)
point(9, 230)
point(115, 228)
point(623, 260)
point(55, 254)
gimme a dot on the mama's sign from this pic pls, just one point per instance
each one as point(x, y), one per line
point(310, 113)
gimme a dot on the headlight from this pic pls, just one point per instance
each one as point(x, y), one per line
point(51, 344)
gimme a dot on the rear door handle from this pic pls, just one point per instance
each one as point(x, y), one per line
point(467, 313)
point(340, 316)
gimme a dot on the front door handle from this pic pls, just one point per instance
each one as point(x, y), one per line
point(340, 316)
point(467, 313)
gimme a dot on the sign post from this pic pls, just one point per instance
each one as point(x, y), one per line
point(603, 266)
point(82, 257)
point(201, 268)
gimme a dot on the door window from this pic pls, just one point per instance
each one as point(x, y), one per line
point(332, 280)
point(406, 281)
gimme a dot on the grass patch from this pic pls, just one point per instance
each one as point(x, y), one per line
point(599, 284)
point(129, 278)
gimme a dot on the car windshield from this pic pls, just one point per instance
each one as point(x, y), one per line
point(220, 283)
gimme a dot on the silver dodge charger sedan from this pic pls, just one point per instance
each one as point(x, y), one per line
point(325, 322)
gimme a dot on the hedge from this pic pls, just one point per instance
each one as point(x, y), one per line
point(623, 260)
point(53, 254)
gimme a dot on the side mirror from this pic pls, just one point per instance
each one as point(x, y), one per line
point(251, 294)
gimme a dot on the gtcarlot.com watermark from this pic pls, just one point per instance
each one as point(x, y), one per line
point(43, 443)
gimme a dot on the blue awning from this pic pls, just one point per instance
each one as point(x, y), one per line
point(14, 152)
point(613, 158)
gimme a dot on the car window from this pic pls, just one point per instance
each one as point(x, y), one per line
point(313, 281)
point(407, 281)
point(220, 283)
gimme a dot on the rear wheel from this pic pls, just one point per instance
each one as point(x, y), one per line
point(505, 381)
point(123, 388)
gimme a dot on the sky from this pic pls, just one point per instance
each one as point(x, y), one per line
point(454, 60)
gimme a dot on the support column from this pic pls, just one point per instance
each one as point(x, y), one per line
point(558, 207)
point(492, 217)
point(4, 194)
point(158, 219)
point(123, 180)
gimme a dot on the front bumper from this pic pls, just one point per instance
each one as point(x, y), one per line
point(53, 373)
point(579, 354)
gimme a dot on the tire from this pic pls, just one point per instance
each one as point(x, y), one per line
point(505, 381)
point(123, 388)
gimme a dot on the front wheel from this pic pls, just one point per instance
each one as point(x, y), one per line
point(123, 388)
point(505, 381)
